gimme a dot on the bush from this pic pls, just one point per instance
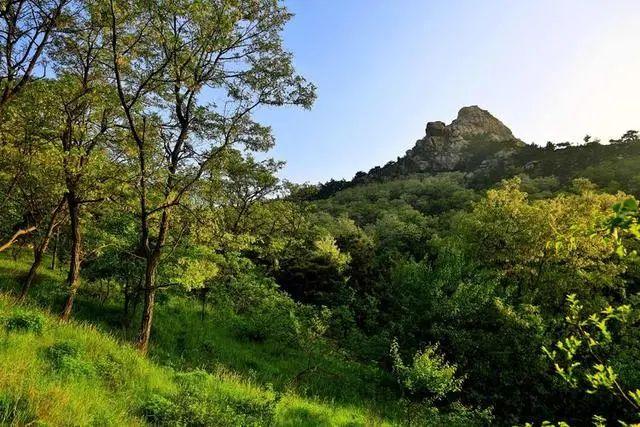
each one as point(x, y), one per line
point(429, 375)
point(65, 359)
point(115, 367)
point(250, 330)
point(263, 311)
point(25, 321)
point(159, 410)
point(200, 401)
point(423, 414)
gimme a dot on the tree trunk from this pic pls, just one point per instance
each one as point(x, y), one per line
point(39, 250)
point(126, 305)
point(203, 301)
point(54, 255)
point(153, 259)
point(33, 271)
point(149, 301)
point(73, 279)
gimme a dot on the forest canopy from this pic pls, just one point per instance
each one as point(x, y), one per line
point(478, 280)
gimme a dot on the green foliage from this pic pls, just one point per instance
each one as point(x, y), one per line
point(485, 282)
point(158, 410)
point(326, 248)
point(456, 414)
point(65, 359)
point(586, 355)
point(582, 358)
point(199, 401)
point(428, 374)
point(428, 195)
point(275, 304)
point(545, 248)
point(193, 268)
point(25, 320)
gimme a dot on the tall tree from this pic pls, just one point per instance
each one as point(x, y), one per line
point(87, 114)
point(194, 71)
point(27, 29)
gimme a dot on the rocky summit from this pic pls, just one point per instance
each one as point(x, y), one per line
point(473, 140)
point(473, 121)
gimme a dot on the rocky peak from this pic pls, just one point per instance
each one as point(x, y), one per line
point(473, 140)
point(474, 121)
point(471, 122)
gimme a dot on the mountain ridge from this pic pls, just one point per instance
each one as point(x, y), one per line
point(485, 151)
point(472, 137)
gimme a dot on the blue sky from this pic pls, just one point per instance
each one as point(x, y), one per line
point(550, 70)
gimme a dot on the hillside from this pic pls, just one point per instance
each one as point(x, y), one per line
point(157, 270)
point(420, 294)
point(79, 374)
point(482, 148)
point(431, 291)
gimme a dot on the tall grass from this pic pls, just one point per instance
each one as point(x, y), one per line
point(199, 373)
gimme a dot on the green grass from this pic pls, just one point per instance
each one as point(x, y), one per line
point(73, 374)
point(181, 338)
point(199, 371)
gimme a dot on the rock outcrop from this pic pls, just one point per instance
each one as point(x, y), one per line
point(473, 121)
point(473, 140)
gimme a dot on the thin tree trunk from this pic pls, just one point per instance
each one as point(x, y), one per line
point(149, 302)
point(73, 279)
point(151, 268)
point(203, 300)
point(33, 272)
point(54, 255)
point(127, 303)
point(39, 250)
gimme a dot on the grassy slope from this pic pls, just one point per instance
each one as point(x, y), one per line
point(82, 374)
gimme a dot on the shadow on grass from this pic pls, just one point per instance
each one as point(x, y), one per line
point(302, 416)
point(182, 340)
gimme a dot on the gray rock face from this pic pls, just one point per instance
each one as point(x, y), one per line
point(450, 147)
point(436, 129)
point(473, 143)
point(473, 121)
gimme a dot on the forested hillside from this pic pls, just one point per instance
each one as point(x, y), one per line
point(155, 270)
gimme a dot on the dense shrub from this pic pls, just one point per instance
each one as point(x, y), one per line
point(26, 321)
point(423, 414)
point(199, 401)
point(66, 358)
point(159, 410)
point(428, 374)
point(261, 310)
point(250, 329)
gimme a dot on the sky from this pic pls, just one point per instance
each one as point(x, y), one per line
point(550, 70)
